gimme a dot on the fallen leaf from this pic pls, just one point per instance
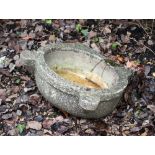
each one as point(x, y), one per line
point(18, 63)
point(19, 112)
point(38, 28)
point(23, 23)
point(107, 30)
point(82, 21)
point(17, 48)
point(3, 94)
point(114, 46)
point(7, 116)
point(131, 64)
point(92, 34)
point(120, 59)
point(29, 84)
point(62, 129)
point(27, 37)
point(47, 123)
point(17, 81)
point(147, 70)
point(34, 125)
point(59, 118)
point(150, 42)
point(85, 32)
point(135, 129)
point(94, 46)
point(5, 72)
point(82, 121)
point(89, 131)
point(78, 27)
point(66, 31)
point(125, 39)
point(4, 109)
point(16, 57)
point(2, 61)
point(26, 78)
point(21, 127)
point(39, 118)
point(151, 107)
point(57, 26)
point(56, 126)
point(96, 40)
point(48, 21)
point(24, 98)
point(47, 132)
point(11, 67)
point(34, 98)
point(12, 96)
point(145, 133)
point(12, 132)
point(29, 89)
point(52, 38)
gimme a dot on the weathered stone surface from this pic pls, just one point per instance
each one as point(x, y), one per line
point(77, 100)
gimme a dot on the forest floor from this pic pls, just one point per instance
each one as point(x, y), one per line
point(23, 110)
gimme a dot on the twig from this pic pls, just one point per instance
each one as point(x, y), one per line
point(140, 25)
point(150, 49)
point(152, 26)
point(137, 23)
point(144, 46)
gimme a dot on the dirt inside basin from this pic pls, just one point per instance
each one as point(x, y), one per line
point(89, 79)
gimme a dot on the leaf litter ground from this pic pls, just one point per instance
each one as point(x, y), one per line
point(23, 111)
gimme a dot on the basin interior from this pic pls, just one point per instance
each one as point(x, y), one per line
point(82, 69)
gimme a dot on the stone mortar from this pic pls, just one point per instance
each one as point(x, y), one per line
point(65, 95)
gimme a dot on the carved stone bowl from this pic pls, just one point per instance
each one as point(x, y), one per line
point(66, 95)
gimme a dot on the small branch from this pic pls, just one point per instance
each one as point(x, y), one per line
point(152, 26)
point(144, 46)
point(137, 23)
point(150, 49)
point(140, 25)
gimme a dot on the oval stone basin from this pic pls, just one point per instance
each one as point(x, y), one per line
point(76, 79)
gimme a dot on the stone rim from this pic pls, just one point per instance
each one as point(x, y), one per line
point(69, 88)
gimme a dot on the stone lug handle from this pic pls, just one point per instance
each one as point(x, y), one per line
point(28, 58)
point(89, 102)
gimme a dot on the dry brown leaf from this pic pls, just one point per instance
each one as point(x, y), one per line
point(47, 123)
point(34, 125)
point(52, 38)
point(131, 64)
point(151, 107)
point(92, 34)
point(120, 59)
point(107, 30)
point(26, 78)
point(27, 37)
point(2, 94)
